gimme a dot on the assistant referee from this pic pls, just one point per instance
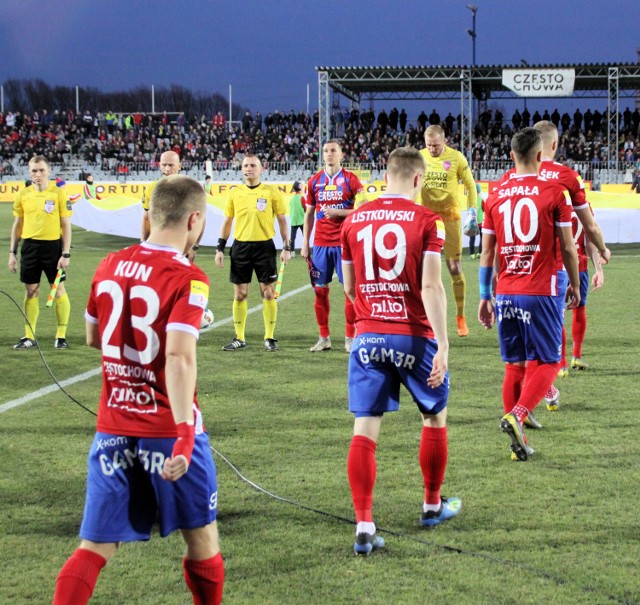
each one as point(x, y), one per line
point(42, 214)
point(253, 205)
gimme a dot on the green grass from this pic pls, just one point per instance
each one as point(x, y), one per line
point(561, 528)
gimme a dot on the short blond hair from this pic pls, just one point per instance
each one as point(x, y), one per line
point(434, 130)
point(548, 130)
point(39, 159)
point(404, 163)
point(174, 198)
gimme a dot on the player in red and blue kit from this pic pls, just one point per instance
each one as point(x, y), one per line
point(523, 217)
point(331, 195)
point(586, 250)
point(150, 458)
point(392, 271)
point(573, 184)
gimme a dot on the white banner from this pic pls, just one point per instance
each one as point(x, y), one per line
point(540, 82)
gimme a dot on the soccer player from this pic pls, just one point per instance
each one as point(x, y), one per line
point(586, 250)
point(150, 459)
point(254, 206)
point(42, 219)
point(331, 195)
point(392, 271)
point(445, 167)
point(522, 220)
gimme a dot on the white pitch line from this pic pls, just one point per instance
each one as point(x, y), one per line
point(91, 373)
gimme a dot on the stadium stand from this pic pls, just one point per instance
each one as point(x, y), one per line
point(130, 148)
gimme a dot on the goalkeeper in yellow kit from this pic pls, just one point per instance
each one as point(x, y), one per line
point(445, 167)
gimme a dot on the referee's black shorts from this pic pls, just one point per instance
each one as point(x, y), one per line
point(247, 257)
point(36, 256)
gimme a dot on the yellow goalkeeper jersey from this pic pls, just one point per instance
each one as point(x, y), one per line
point(440, 191)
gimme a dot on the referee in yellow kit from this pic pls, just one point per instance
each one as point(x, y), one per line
point(42, 214)
point(253, 205)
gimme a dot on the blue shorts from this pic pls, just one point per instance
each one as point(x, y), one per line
point(126, 495)
point(584, 288)
point(529, 327)
point(325, 260)
point(380, 363)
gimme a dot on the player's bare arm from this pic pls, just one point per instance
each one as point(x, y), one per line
point(593, 233)
point(65, 224)
point(349, 279)
point(307, 228)
point(93, 335)
point(181, 374)
point(434, 300)
point(16, 234)
point(570, 260)
point(597, 281)
point(225, 232)
point(337, 212)
point(285, 255)
point(486, 311)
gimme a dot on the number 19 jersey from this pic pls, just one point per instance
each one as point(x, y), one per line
point(523, 213)
point(386, 241)
point(138, 295)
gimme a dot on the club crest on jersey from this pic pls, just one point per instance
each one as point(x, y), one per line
point(446, 165)
point(261, 204)
point(340, 181)
point(49, 206)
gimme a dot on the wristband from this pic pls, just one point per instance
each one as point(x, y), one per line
point(66, 255)
point(185, 441)
point(195, 248)
point(221, 244)
point(286, 248)
point(13, 251)
point(484, 278)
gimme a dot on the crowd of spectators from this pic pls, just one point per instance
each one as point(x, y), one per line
point(122, 142)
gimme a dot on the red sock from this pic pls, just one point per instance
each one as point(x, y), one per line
point(350, 316)
point(321, 307)
point(578, 329)
point(538, 378)
point(205, 579)
point(563, 359)
point(78, 577)
point(361, 469)
point(433, 461)
point(512, 385)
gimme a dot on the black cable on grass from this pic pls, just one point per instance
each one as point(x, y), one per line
point(391, 532)
point(44, 361)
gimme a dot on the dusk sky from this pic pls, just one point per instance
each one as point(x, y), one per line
point(268, 51)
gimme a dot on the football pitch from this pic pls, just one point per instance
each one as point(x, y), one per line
point(560, 528)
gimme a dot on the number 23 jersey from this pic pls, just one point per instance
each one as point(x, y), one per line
point(386, 241)
point(138, 295)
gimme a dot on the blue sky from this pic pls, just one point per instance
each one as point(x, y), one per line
point(268, 51)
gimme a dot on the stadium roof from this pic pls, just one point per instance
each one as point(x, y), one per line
point(444, 81)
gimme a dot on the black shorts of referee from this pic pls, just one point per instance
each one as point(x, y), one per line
point(250, 257)
point(38, 256)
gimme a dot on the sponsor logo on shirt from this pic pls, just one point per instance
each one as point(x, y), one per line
point(385, 306)
point(519, 264)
